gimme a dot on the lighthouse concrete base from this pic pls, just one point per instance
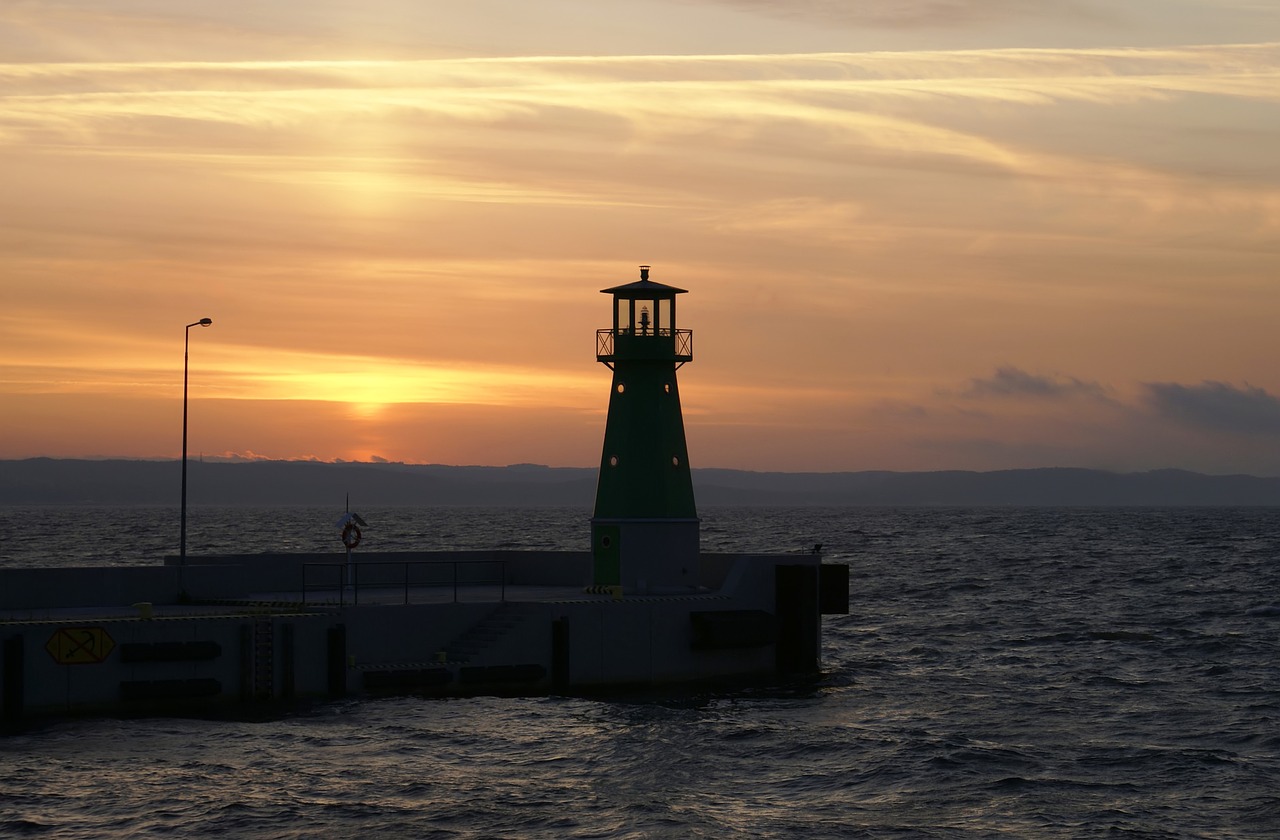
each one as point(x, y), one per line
point(646, 556)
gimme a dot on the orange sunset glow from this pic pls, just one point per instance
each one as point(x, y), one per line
point(954, 235)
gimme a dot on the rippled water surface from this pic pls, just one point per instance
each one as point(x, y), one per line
point(1015, 673)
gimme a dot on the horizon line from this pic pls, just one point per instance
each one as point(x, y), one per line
point(222, 459)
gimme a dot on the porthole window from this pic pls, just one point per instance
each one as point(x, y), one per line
point(621, 387)
point(666, 387)
point(613, 460)
point(675, 461)
point(605, 542)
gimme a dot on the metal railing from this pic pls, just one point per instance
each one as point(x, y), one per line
point(389, 576)
point(679, 342)
point(684, 343)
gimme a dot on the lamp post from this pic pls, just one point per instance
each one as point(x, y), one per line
point(182, 542)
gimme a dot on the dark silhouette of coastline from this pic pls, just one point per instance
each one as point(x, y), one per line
point(49, 481)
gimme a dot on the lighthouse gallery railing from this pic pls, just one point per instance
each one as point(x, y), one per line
point(683, 343)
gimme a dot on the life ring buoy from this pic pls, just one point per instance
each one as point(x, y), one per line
point(351, 535)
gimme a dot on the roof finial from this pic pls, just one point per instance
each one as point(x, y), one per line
point(644, 272)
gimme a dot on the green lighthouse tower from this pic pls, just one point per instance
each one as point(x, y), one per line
point(644, 533)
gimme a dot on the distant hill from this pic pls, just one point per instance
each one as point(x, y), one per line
point(47, 481)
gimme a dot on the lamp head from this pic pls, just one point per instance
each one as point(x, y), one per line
point(204, 322)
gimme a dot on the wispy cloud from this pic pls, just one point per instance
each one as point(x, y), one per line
point(911, 14)
point(499, 129)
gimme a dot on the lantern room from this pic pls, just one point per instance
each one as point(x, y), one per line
point(644, 324)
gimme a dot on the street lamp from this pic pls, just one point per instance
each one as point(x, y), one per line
point(182, 544)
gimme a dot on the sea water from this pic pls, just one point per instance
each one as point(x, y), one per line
point(1017, 673)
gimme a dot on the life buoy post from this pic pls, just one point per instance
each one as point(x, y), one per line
point(351, 523)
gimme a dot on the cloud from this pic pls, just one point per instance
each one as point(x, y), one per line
point(1014, 382)
point(236, 457)
point(907, 14)
point(1217, 406)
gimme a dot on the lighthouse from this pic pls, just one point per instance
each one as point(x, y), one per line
point(644, 531)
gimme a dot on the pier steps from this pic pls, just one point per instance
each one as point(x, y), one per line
point(503, 623)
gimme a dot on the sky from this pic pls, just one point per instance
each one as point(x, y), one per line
point(916, 234)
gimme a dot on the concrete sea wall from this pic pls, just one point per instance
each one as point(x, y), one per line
point(221, 631)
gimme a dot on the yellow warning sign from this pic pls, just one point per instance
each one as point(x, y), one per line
point(80, 645)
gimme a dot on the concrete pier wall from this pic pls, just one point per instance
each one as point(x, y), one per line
point(169, 664)
point(72, 643)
